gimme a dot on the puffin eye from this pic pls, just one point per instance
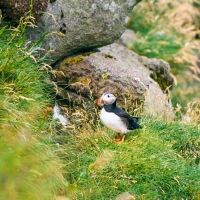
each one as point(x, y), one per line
point(108, 96)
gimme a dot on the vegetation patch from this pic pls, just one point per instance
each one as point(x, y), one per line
point(82, 161)
point(162, 83)
point(108, 56)
point(177, 42)
point(73, 61)
point(151, 163)
point(29, 167)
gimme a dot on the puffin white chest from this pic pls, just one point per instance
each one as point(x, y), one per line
point(113, 122)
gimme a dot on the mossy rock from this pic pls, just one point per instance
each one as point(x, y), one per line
point(122, 72)
point(161, 82)
point(73, 60)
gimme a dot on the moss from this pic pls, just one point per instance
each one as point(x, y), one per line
point(77, 59)
point(162, 71)
point(152, 76)
point(108, 56)
point(161, 82)
point(105, 76)
point(84, 80)
point(73, 60)
point(88, 53)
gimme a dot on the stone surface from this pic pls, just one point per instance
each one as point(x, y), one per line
point(72, 25)
point(125, 196)
point(116, 69)
point(127, 38)
point(14, 9)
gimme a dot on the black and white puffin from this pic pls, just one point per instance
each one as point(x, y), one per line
point(115, 118)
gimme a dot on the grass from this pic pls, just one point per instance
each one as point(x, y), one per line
point(29, 168)
point(185, 92)
point(40, 160)
point(167, 30)
point(161, 161)
point(170, 31)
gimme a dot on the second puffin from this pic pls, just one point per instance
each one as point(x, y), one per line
point(115, 118)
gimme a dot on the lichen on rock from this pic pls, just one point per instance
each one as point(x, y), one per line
point(112, 68)
point(83, 79)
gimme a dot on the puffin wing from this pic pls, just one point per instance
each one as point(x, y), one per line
point(131, 122)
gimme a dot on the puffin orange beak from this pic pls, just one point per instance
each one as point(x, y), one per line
point(100, 102)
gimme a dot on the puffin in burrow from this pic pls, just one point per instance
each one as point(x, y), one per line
point(115, 118)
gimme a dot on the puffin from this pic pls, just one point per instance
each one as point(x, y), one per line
point(115, 118)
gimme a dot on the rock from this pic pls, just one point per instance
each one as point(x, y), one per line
point(160, 70)
point(72, 25)
point(125, 196)
point(58, 115)
point(116, 69)
point(14, 9)
point(127, 38)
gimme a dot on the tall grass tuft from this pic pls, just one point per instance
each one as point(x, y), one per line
point(29, 167)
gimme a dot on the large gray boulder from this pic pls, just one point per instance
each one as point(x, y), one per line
point(70, 26)
point(117, 69)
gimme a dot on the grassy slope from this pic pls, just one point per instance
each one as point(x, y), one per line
point(29, 169)
point(160, 161)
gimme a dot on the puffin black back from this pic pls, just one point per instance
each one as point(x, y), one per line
point(134, 123)
point(110, 107)
point(130, 121)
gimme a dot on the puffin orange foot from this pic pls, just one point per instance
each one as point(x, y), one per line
point(123, 137)
point(118, 139)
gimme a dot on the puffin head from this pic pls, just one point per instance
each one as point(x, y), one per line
point(106, 99)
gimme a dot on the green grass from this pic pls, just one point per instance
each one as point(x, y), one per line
point(185, 92)
point(161, 161)
point(154, 39)
point(40, 161)
point(169, 30)
point(29, 168)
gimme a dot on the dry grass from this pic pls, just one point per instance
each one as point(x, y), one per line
point(170, 30)
point(180, 16)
